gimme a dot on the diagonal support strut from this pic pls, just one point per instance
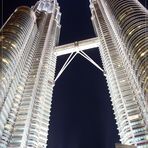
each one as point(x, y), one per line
point(74, 49)
point(82, 53)
point(68, 61)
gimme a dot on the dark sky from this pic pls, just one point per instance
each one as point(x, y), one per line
point(82, 115)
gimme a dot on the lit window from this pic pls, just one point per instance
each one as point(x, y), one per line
point(139, 26)
point(5, 61)
point(122, 16)
point(131, 31)
point(18, 96)
point(3, 78)
point(134, 98)
point(137, 44)
point(17, 25)
point(20, 87)
point(122, 81)
point(142, 54)
point(133, 117)
point(13, 45)
point(8, 126)
point(46, 66)
point(1, 38)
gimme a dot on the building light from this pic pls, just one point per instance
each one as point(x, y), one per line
point(5, 61)
point(2, 37)
point(20, 87)
point(3, 78)
point(8, 126)
point(122, 81)
point(46, 66)
point(122, 16)
point(131, 31)
point(139, 26)
point(13, 45)
point(142, 54)
point(18, 96)
point(134, 99)
point(137, 44)
point(133, 117)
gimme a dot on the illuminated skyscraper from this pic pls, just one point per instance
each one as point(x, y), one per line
point(122, 28)
point(27, 74)
point(28, 61)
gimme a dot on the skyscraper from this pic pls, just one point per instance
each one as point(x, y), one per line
point(28, 62)
point(27, 74)
point(122, 28)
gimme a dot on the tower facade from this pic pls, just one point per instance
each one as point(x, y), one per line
point(122, 28)
point(27, 74)
point(28, 61)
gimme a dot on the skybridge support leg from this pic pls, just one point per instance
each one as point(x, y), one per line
point(77, 48)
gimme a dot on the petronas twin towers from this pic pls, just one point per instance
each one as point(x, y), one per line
point(28, 55)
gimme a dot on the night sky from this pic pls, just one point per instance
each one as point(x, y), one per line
point(81, 115)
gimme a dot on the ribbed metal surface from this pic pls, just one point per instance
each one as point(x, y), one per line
point(132, 19)
point(14, 46)
point(13, 41)
point(28, 68)
point(129, 108)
